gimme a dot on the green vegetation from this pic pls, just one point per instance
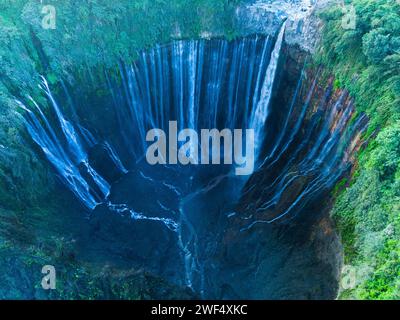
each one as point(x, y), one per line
point(366, 61)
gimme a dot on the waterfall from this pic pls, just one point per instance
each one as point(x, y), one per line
point(260, 113)
point(301, 169)
point(214, 85)
point(201, 84)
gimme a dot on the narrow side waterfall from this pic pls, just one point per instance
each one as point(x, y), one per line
point(181, 222)
point(260, 113)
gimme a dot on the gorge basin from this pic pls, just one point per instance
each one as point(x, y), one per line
point(262, 236)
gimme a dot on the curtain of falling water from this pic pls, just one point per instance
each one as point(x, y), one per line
point(200, 84)
point(203, 85)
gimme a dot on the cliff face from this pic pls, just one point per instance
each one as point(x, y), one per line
point(297, 256)
point(265, 16)
point(297, 260)
point(206, 229)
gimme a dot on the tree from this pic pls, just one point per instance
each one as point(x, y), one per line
point(377, 45)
